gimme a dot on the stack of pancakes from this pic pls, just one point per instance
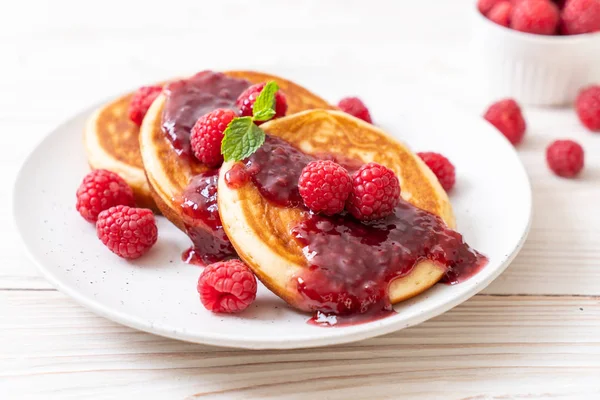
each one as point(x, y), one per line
point(259, 230)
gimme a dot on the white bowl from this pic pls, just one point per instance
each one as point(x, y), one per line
point(533, 69)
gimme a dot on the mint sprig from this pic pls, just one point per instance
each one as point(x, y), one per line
point(243, 137)
point(263, 108)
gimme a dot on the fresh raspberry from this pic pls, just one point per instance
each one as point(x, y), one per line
point(588, 107)
point(227, 287)
point(324, 186)
point(580, 16)
point(126, 231)
point(355, 107)
point(506, 116)
point(375, 192)
point(101, 190)
point(485, 6)
point(246, 100)
point(207, 134)
point(501, 13)
point(441, 167)
point(535, 16)
point(141, 102)
point(565, 158)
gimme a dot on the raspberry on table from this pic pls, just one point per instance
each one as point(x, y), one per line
point(441, 167)
point(246, 100)
point(227, 287)
point(587, 106)
point(485, 6)
point(207, 134)
point(355, 107)
point(535, 16)
point(580, 16)
point(324, 186)
point(126, 231)
point(501, 13)
point(506, 116)
point(375, 192)
point(141, 102)
point(100, 190)
point(565, 158)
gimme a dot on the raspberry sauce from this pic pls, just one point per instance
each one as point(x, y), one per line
point(275, 169)
point(350, 263)
point(202, 221)
point(189, 99)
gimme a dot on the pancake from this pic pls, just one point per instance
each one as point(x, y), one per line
point(111, 142)
point(260, 229)
point(165, 151)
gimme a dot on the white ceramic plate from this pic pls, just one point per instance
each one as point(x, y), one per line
point(157, 293)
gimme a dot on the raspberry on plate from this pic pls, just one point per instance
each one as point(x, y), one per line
point(506, 116)
point(126, 231)
point(100, 190)
point(246, 100)
point(375, 192)
point(227, 287)
point(565, 158)
point(501, 13)
point(485, 6)
point(580, 16)
point(324, 187)
point(355, 107)
point(141, 102)
point(207, 134)
point(587, 105)
point(441, 167)
point(535, 16)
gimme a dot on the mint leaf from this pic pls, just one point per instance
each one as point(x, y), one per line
point(264, 115)
point(263, 107)
point(242, 138)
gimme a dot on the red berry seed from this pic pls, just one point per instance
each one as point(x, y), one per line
point(128, 232)
point(227, 287)
point(506, 116)
point(441, 167)
point(324, 187)
point(565, 158)
point(100, 190)
point(375, 192)
point(141, 102)
point(207, 135)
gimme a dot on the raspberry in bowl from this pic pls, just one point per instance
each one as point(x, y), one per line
point(538, 52)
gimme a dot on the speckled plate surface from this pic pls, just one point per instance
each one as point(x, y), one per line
point(157, 293)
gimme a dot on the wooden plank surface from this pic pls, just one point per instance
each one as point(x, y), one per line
point(491, 347)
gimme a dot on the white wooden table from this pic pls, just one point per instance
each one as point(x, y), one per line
point(533, 334)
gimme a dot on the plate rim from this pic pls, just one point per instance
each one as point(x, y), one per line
point(267, 343)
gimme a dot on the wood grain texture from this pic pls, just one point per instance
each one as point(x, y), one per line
point(492, 347)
